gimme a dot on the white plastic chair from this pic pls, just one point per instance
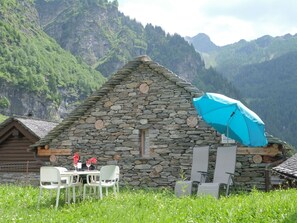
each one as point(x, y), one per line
point(76, 181)
point(224, 172)
point(92, 183)
point(198, 172)
point(63, 179)
point(117, 179)
point(108, 177)
point(50, 179)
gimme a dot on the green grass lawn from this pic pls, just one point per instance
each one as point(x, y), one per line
point(19, 204)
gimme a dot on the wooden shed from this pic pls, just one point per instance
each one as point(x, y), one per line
point(254, 164)
point(16, 136)
point(286, 173)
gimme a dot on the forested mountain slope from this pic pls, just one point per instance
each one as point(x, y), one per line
point(270, 88)
point(230, 58)
point(36, 74)
point(51, 75)
point(264, 71)
point(93, 37)
point(106, 39)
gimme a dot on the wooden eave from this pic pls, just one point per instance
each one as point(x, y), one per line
point(7, 130)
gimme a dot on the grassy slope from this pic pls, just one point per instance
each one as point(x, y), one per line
point(18, 204)
point(2, 118)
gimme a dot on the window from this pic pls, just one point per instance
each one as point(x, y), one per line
point(144, 142)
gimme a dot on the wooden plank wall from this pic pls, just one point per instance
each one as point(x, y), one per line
point(14, 156)
point(15, 149)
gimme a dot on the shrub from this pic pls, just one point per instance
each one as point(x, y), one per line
point(4, 102)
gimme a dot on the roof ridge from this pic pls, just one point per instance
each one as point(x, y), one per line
point(34, 119)
point(89, 101)
point(115, 79)
point(36, 127)
point(178, 80)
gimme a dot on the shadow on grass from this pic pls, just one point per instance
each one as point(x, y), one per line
point(291, 219)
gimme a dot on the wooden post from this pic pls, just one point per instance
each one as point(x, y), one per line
point(267, 180)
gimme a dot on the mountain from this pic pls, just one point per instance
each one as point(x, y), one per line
point(228, 59)
point(106, 39)
point(202, 43)
point(93, 30)
point(270, 89)
point(36, 74)
point(53, 52)
point(264, 72)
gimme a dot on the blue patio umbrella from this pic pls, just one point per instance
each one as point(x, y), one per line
point(230, 117)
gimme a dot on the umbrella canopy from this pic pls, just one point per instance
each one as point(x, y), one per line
point(230, 117)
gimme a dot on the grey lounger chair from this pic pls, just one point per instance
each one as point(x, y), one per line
point(224, 171)
point(198, 172)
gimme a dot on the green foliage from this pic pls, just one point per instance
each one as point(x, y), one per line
point(7, 3)
point(182, 175)
point(2, 118)
point(126, 39)
point(210, 81)
point(230, 58)
point(175, 53)
point(264, 72)
point(31, 61)
point(270, 88)
point(113, 37)
point(170, 50)
point(18, 204)
point(4, 102)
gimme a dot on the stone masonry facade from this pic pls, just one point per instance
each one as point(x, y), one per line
point(143, 120)
point(144, 101)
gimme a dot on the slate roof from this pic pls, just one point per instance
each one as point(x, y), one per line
point(288, 168)
point(36, 127)
point(138, 64)
point(272, 139)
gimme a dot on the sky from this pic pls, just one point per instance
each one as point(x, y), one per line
point(224, 21)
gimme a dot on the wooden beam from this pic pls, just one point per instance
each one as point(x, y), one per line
point(267, 151)
point(49, 152)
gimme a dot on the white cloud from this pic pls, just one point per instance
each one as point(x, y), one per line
point(225, 21)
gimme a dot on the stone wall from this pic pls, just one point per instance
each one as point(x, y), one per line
point(19, 178)
point(110, 130)
point(150, 171)
point(253, 167)
point(249, 174)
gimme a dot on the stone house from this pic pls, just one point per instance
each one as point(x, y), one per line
point(143, 120)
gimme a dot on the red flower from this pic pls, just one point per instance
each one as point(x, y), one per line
point(75, 158)
point(92, 160)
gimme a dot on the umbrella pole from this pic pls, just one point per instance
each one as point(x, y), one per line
point(229, 120)
point(228, 133)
